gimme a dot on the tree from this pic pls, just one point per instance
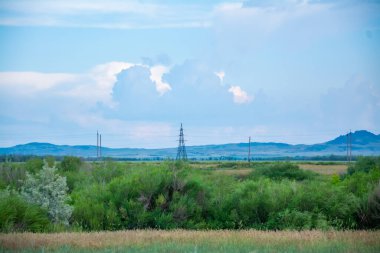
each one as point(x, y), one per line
point(48, 190)
point(71, 163)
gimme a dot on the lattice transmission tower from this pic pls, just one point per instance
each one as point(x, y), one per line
point(181, 152)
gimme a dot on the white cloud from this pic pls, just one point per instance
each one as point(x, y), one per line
point(156, 73)
point(94, 14)
point(220, 75)
point(29, 83)
point(240, 96)
point(90, 87)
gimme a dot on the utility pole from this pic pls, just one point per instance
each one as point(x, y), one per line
point(347, 147)
point(181, 152)
point(350, 146)
point(97, 143)
point(100, 146)
point(249, 150)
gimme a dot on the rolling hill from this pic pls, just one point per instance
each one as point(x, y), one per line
point(363, 143)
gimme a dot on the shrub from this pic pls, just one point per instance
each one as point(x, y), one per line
point(360, 183)
point(16, 215)
point(99, 213)
point(70, 163)
point(11, 175)
point(48, 190)
point(34, 165)
point(369, 212)
point(338, 205)
point(297, 220)
point(364, 164)
point(254, 201)
point(50, 160)
point(106, 171)
point(281, 171)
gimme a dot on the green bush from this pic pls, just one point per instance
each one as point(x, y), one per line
point(99, 213)
point(50, 160)
point(11, 175)
point(48, 190)
point(16, 215)
point(364, 164)
point(70, 163)
point(168, 195)
point(34, 165)
point(338, 205)
point(297, 220)
point(106, 171)
point(369, 211)
point(279, 171)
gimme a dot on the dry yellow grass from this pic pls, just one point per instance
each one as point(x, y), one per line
point(17, 241)
point(325, 169)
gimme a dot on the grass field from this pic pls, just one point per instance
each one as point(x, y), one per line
point(328, 169)
point(242, 169)
point(194, 241)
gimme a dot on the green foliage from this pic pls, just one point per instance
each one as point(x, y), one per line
point(364, 164)
point(369, 211)
point(48, 190)
point(70, 163)
point(373, 208)
point(297, 220)
point(128, 195)
point(11, 175)
point(50, 160)
point(16, 215)
point(106, 171)
point(338, 205)
point(360, 183)
point(363, 180)
point(34, 165)
point(99, 213)
point(279, 171)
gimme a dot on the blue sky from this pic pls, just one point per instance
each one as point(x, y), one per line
point(297, 71)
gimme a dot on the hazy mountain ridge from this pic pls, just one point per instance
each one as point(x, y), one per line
point(363, 143)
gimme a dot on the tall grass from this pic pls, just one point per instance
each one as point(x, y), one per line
point(195, 241)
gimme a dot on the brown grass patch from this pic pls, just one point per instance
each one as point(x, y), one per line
point(17, 241)
point(325, 169)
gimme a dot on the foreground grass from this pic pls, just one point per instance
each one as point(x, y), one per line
point(194, 241)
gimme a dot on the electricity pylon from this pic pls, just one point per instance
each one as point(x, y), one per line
point(181, 152)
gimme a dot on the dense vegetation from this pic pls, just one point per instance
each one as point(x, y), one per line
point(44, 195)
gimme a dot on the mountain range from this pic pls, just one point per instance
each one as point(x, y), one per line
point(363, 143)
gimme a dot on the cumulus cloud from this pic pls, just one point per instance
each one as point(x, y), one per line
point(90, 87)
point(239, 95)
point(156, 73)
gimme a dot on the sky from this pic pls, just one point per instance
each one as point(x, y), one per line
point(295, 71)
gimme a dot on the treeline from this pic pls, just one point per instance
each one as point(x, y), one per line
point(74, 195)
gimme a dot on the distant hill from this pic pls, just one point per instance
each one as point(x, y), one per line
point(361, 137)
point(363, 143)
